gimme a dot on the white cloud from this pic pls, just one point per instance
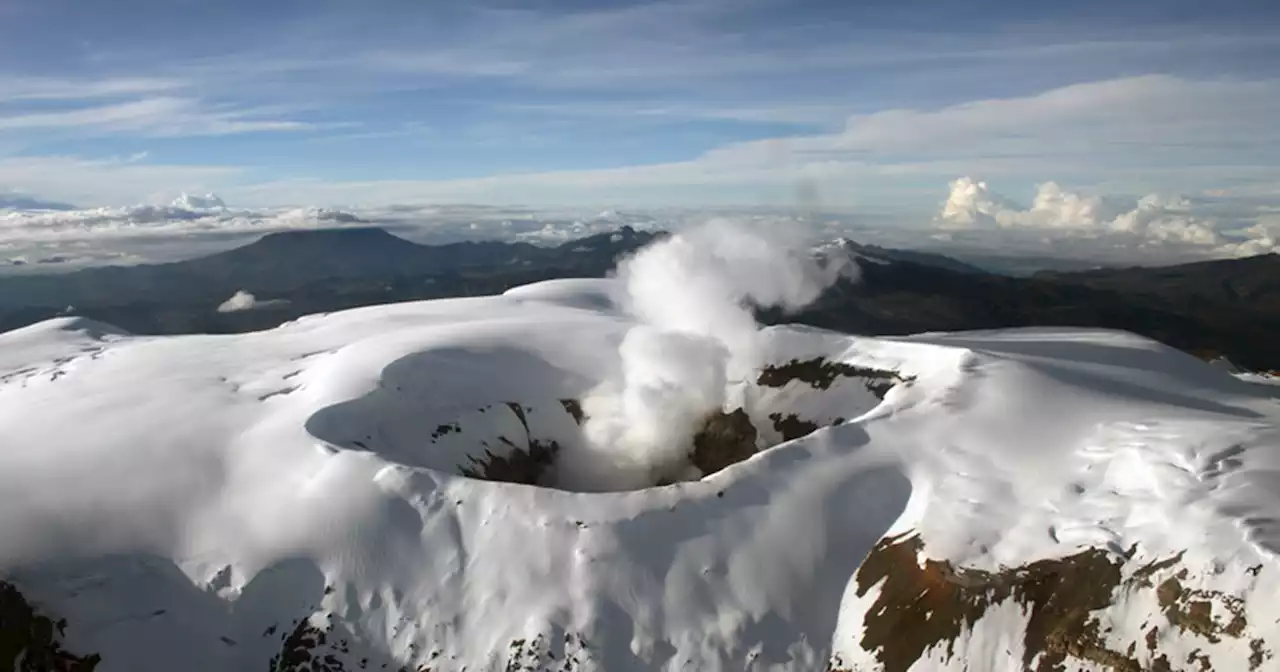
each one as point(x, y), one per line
point(243, 300)
point(793, 113)
point(193, 202)
point(1158, 230)
point(1262, 245)
point(1138, 134)
point(1136, 110)
point(1150, 220)
point(163, 220)
point(1164, 219)
point(1133, 131)
point(1058, 209)
point(67, 260)
point(1261, 238)
point(110, 181)
point(705, 45)
point(191, 226)
point(44, 88)
point(152, 117)
point(970, 204)
point(1118, 122)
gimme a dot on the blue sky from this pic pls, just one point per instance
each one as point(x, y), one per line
point(872, 105)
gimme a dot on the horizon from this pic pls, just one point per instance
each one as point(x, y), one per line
point(997, 262)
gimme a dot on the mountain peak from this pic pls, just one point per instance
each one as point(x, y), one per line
point(346, 234)
point(368, 247)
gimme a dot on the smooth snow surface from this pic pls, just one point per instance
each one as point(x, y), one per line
point(183, 501)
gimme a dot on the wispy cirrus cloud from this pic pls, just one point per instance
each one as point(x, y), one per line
point(1135, 131)
point(1146, 133)
point(1154, 112)
point(806, 114)
point(715, 55)
point(668, 101)
point(150, 117)
point(706, 46)
point(49, 88)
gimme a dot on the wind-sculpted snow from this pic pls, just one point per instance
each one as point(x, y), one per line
point(377, 489)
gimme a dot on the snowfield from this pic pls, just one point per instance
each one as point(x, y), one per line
point(314, 497)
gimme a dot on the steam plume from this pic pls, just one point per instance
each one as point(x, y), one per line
point(692, 294)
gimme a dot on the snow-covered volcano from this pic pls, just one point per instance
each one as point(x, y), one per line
point(420, 487)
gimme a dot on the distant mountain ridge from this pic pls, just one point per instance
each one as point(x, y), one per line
point(1211, 309)
point(1220, 308)
point(888, 255)
point(290, 260)
point(1251, 283)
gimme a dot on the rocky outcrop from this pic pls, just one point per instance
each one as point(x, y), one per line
point(723, 440)
point(525, 465)
point(318, 648)
point(516, 465)
point(31, 641)
point(928, 606)
point(821, 373)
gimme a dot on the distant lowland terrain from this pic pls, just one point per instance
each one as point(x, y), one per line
point(1228, 308)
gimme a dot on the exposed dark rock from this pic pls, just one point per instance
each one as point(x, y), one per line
point(574, 408)
point(302, 652)
point(820, 373)
point(921, 606)
point(1258, 654)
point(34, 639)
point(547, 654)
point(518, 410)
point(880, 387)
point(516, 466)
point(724, 439)
point(446, 428)
point(1193, 610)
point(312, 649)
point(791, 427)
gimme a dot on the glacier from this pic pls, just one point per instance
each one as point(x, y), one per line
point(311, 498)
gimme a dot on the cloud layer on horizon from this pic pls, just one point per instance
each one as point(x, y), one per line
point(1210, 229)
point(972, 221)
point(32, 239)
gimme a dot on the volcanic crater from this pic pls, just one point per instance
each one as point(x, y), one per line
point(529, 424)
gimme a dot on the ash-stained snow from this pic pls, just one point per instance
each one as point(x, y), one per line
point(261, 500)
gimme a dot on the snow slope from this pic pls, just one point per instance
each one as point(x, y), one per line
point(216, 502)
